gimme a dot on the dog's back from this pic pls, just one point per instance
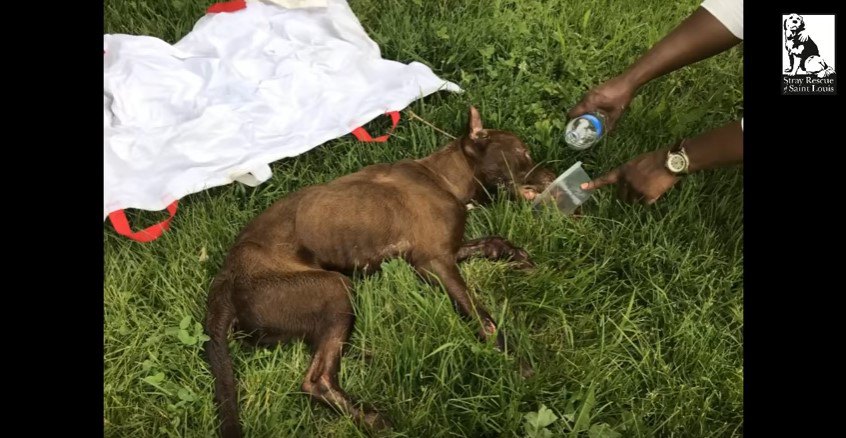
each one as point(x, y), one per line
point(356, 221)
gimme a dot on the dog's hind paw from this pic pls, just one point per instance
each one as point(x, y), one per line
point(526, 370)
point(376, 422)
point(826, 73)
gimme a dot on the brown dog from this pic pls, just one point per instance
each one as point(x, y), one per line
point(285, 277)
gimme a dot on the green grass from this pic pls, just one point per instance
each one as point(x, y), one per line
point(633, 319)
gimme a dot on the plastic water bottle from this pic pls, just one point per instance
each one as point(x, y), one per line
point(585, 131)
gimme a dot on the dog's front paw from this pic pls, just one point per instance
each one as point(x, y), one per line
point(523, 265)
point(788, 70)
point(519, 259)
point(497, 248)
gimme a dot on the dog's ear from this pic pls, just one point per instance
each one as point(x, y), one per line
point(801, 24)
point(476, 133)
point(474, 124)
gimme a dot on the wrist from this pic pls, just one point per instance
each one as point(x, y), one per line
point(717, 148)
point(696, 160)
point(635, 77)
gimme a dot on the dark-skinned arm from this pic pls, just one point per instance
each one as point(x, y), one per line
point(721, 147)
point(646, 177)
point(699, 36)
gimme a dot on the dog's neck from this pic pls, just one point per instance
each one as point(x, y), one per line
point(456, 172)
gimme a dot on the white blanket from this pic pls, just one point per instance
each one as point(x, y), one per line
point(241, 90)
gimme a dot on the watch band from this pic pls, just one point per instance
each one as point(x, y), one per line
point(678, 146)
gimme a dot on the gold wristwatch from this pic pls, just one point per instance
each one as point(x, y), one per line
point(677, 162)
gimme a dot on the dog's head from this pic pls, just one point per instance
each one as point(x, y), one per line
point(502, 160)
point(793, 24)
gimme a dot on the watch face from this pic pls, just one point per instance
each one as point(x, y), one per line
point(676, 163)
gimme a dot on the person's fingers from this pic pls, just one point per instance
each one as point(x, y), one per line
point(623, 191)
point(613, 117)
point(581, 108)
point(609, 178)
point(653, 199)
point(637, 197)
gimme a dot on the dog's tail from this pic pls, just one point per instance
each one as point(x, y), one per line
point(219, 319)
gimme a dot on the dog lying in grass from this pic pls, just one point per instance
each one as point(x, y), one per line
point(286, 276)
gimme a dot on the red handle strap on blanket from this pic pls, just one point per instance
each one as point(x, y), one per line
point(362, 135)
point(149, 234)
point(232, 6)
point(153, 232)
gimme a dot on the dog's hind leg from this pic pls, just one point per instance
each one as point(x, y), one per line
point(494, 248)
point(313, 305)
point(330, 311)
point(815, 65)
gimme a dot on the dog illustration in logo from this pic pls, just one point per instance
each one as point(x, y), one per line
point(802, 50)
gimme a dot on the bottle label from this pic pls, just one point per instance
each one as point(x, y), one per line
point(597, 125)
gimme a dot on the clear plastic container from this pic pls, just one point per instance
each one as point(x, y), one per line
point(585, 131)
point(566, 192)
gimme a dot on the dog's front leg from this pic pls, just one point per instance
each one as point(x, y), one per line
point(792, 59)
point(445, 270)
point(794, 63)
point(795, 66)
point(495, 248)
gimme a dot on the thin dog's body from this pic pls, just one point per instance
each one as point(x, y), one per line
point(285, 277)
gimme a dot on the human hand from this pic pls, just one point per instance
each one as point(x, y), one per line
point(612, 98)
point(643, 179)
